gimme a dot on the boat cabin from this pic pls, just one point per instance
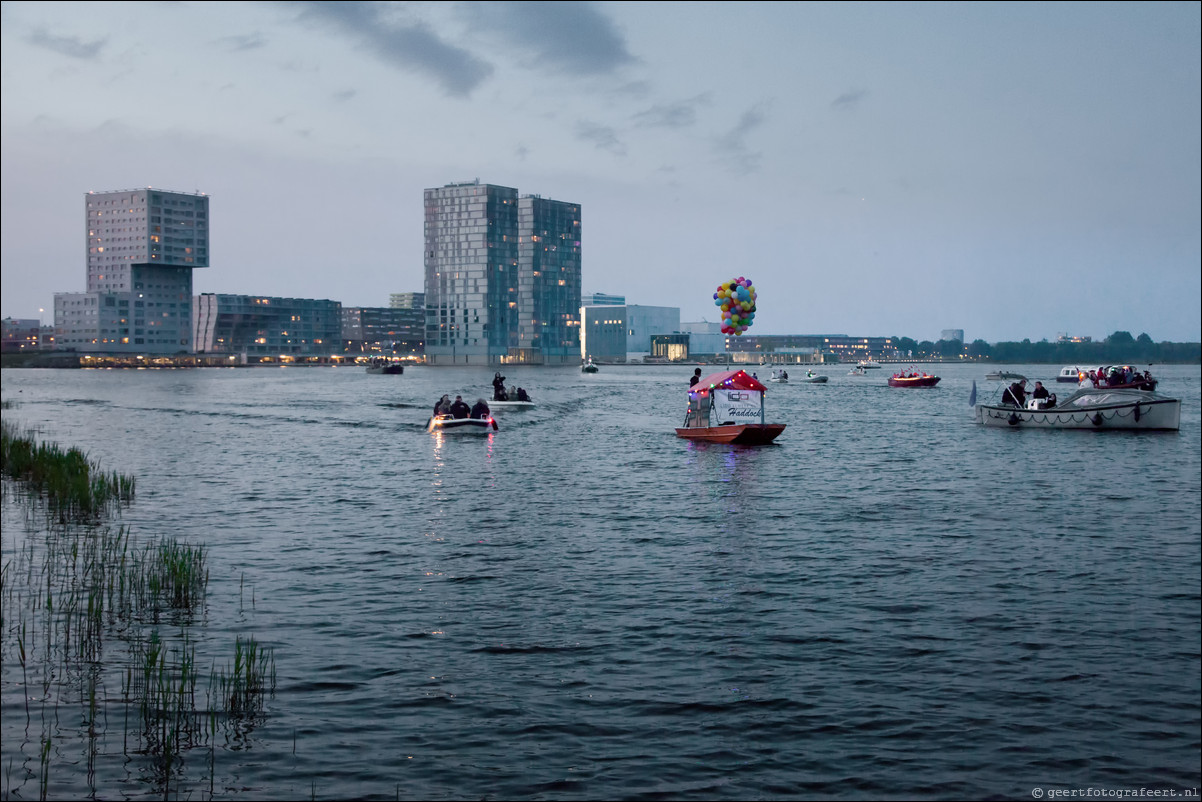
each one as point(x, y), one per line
point(723, 399)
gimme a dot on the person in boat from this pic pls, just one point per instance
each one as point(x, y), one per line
point(1040, 391)
point(696, 377)
point(442, 406)
point(480, 409)
point(784, 374)
point(523, 395)
point(460, 409)
point(498, 387)
point(1015, 395)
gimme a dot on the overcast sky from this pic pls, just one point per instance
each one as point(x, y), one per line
point(895, 169)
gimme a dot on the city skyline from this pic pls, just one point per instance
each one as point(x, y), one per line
point(1015, 170)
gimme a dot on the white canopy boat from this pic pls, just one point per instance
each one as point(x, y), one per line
point(1090, 408)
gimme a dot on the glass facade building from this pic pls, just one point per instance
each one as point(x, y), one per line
point(259, 326)
point(502, 277)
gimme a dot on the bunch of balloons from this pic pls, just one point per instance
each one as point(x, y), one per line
point(736, 299)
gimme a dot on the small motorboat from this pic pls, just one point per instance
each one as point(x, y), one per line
point(858, 370)
point(385, 367)
point(1005, 376)
point(728, 407)
point(868, 364)
point(511, 404)
point(588, 366)
point(913, 379)
point(449, 424)
point(1089, 408)
point(780, 377)
point(1073, 374)
point(813, 378)
point(1118, 377)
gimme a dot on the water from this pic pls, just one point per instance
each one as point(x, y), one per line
point(891, 602)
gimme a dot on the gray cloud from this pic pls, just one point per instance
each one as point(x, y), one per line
point(236, 44)
point(602, 136)
point(344, 95)
point(409, 47)
point(680, 114)
point(732, 146)
point(570, 36)
point(849, 100)
point(67, 45)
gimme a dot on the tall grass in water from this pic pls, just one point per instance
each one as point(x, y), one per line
point(74, 487)
point(85, 604)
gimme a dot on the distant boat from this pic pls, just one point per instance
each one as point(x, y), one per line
point(868, 364)
point(588, 367)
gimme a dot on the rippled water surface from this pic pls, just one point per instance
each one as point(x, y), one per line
point(890, 602)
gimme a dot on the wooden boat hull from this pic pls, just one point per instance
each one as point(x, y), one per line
point(469, 426)
point(749, 434)
point(914, 381)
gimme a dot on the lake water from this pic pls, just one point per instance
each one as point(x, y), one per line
point(890, 602)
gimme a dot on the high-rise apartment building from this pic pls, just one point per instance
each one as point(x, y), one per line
point(142, 245)
point(502, 277)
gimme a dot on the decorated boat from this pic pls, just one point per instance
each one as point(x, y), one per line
point(1118, 377)
point(728, 407)
point(913, 379)
point(1087, 408)
point(448, 424)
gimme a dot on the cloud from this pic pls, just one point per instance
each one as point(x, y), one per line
point(570, 36)
point(732, 146)
point(67, 45)
point(344, 95)
point(409, 47)
point(680, 114)
point(849, 100)
point(237, 44)
point(602, 136)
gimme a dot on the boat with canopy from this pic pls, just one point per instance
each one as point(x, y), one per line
point(728, 407)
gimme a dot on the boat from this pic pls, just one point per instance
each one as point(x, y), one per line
point(1073, 374)
point(385, 367)
point(728, 407)
point(858, 370)
point(511, 404)
point(449, 424)
point(1118, 377)
point(868, 364)
point(1005, 376)
point(812, 378)
point(912, 379)
point(780, 376)
point(1088, 408)
point(588, 366)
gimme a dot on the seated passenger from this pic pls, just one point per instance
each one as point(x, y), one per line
point(480, 409)
point(460, 409)
point(522, 396)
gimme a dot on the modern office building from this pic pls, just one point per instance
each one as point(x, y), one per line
point(786, 348)
point(256, 326)
point(644, 321)
point(952, 334)
point(142, 246)
point(603, 333)
point(602, 299)
point(377, 330)
point(502, 277)
point(407, 300)
point(706, 340)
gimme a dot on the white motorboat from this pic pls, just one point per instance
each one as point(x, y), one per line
point(1004, 376)
point(511, 404)
point(1091, 408)
point(1073, 374)
point(780, 377)
point(868, 364)
point(449, 424)
point(813, 378)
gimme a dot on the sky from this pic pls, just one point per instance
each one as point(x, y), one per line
point(1015, 170)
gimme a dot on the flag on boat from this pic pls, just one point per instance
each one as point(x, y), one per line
point(972, 398)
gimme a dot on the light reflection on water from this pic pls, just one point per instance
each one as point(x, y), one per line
point(888, 602)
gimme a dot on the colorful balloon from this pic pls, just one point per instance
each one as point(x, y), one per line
point(736, 299)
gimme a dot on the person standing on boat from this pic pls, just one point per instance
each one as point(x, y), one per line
point(498, 387)
point(695, 378)
point(460, 409)
point(480, 409)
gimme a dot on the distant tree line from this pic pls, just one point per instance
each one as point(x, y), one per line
point(1118, 348)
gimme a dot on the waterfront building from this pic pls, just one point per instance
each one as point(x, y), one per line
point(602, 299)
point(644, 321)
point(378, 330)
point(952, 335)
point(603, 333)
point(25, 335)
point(502, 277)
point(407, 300)
point(786, 348)
point(142, 246)
point(706, 340)
point(256, 326)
